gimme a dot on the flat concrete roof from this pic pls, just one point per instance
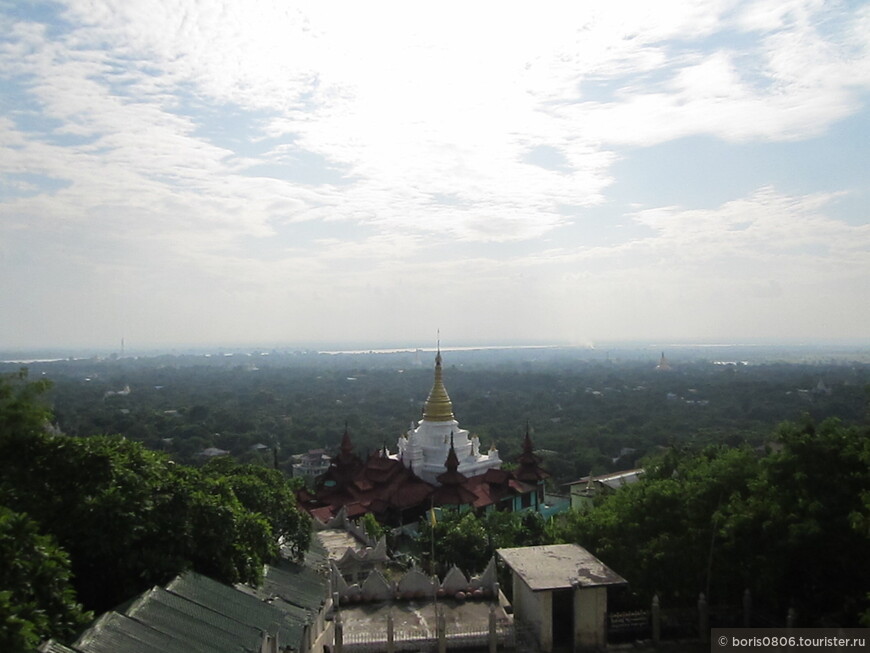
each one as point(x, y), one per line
point(559, 566)
point(337, 541)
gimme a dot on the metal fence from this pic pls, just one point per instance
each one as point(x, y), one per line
point(681, 623)
point(629, 626)
point(424, 640)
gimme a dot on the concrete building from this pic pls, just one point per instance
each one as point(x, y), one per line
point(584, 491)
point(560, 594)
point(311, 464)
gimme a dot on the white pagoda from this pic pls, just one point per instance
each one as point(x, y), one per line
point(424, 449)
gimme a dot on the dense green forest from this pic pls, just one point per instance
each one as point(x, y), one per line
point(89, 522)
point(97, 501)
point(585, 413)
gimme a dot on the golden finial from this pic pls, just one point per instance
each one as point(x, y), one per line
point(438, 406)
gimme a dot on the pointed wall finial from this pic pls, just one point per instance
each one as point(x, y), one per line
point(452, 462)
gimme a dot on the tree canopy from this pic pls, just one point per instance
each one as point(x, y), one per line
point(467, 541)
point(788, 524)
point(36, 597)
point(129, 518)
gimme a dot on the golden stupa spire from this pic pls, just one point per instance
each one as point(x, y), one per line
point(438, 406)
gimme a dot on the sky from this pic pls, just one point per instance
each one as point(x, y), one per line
point(276, 172)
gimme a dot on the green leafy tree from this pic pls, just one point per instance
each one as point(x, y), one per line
point(664, 533)
point(469, 542)
point(512, 529)
point(373, 529)
point(788, 525)
point(130, 518)
point(37, 600)
point(269, 493)
point(21, 407)
point(461, 541)
point(801, 529)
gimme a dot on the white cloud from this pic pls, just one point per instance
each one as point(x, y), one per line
point(437, 151)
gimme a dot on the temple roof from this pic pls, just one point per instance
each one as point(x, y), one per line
point(528, 464)
point(377, 485)
point(383, 484)
point(452, 490)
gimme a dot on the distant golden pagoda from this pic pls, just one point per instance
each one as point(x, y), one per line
point(663, 365)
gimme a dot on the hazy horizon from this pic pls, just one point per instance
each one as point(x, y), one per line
point(645, 349)
point(292, 172)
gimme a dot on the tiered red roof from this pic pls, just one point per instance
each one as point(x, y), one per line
point(380, 485)
point(452, 491)
point(394, 494)
point(529, 468)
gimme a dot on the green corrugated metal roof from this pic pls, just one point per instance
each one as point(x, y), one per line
point(236, 605)
point(294, 584)
point(316, 550)
point(192, 626)
point(203, 614)
point(51, 646)
point(295, 616)
point(196, 614)
point(117, 633)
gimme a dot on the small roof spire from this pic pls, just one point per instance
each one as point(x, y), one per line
point(529, 468)
point(452, 462)
point(452, 490)
point(527, 443)
point(346, 445)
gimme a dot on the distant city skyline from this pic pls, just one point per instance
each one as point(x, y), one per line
point(267, 173)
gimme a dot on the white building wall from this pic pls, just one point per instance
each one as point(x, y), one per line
point(590, 612)
point(536, 610)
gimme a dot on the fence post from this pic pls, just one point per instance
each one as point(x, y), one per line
point(747, 608)
point(307, 638)
point(493, 634)
point(390, 632)
point(703, 618)
point(656, 620)
point(441, 628)
point(338, 642)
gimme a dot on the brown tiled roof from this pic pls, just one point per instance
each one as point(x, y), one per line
point(453, 495)
point(489, 488)
point(383, 484)
point(529, 468)
point(452, 491)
